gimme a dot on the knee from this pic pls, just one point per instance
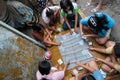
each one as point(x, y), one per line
point(105, 68)
point(109, 43)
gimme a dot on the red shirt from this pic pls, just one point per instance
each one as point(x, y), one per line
point(38, 35)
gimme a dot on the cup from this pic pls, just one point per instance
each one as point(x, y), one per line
point(48, 55)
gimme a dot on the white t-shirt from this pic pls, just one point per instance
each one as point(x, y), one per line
point(44, 16)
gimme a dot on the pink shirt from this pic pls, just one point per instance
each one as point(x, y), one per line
point(58, 75)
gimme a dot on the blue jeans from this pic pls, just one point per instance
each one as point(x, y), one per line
point(71, 21)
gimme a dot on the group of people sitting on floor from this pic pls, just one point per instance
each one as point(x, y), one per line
point(97, 25)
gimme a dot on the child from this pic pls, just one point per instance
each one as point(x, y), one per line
point(99, 24)
point(92, 72)
point(39, 34)
point(44, 72)
point(71, 16)
point(110, 63)
point(51, 16)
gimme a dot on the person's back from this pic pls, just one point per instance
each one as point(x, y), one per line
point(100, 24)
point(44, 72)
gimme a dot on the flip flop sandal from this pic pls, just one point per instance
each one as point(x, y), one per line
point(88, 4)
point(95, 10)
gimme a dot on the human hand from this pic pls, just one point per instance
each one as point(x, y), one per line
point(59, 43)
point(71, 31)
point(91, 48)
point(81, 33)
point(68, 63)
point(78, 63)
point(76, 30)
point(99, 59)
point(57, 31)
point(84, 37)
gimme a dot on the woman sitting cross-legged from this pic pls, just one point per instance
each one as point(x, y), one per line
point(98, 25)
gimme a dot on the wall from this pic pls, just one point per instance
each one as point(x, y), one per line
point(18, 57)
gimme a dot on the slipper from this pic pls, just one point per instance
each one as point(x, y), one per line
point(88, 4)
point(95, 10)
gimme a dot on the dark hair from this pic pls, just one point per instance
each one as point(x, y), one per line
point(66, 3)
point(49, 12)
point(37, 26)
point(44, 67)
point(44, 79)
point(98, 23)
point(92, 22)
point(117, 49)
point(88, 77)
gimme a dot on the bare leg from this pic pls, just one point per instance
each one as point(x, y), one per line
point(113, 59)
point(99, 6)
point(109, 43)
point(106, 68)
point(93, 64)
point(49, 42)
